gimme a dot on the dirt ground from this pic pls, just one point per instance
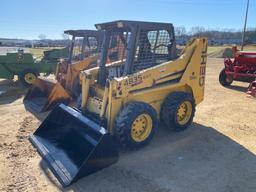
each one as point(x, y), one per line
point(216, 154)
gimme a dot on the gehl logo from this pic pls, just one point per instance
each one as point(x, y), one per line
point(203, 66)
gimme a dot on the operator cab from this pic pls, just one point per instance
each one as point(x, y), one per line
point(135, 46)
point(84, 43)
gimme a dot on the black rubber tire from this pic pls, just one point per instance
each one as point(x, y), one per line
point(170, 108)
point(223, 79)
point(124, 120)
point(21, 76)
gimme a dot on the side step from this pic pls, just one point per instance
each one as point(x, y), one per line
point(73, 145)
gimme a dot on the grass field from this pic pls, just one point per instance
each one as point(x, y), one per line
point(39, 52)
point(212, 49)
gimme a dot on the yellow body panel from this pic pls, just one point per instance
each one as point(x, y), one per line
point(152, 85)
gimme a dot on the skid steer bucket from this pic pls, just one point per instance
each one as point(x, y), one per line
point(44, 95)
point(73, 145)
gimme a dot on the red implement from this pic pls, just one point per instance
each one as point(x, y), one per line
point(252, 89)
point(240, 68)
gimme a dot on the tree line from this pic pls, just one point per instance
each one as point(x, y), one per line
point(182, 33)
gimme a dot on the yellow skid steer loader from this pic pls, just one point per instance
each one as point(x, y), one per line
point(83, 54)
point(123, 101)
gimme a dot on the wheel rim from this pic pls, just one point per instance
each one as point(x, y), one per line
point(184, 112)
point(141, 128)
point(30, 78)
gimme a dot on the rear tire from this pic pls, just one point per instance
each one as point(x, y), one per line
point(28, 76)
point(178, 111)
point(224, 80)
point(135, 125)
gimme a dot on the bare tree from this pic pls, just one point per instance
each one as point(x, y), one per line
point(180, 30)
point(216, 33)
point(197, 31)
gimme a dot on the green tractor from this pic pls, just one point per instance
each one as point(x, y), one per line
point(26, 67)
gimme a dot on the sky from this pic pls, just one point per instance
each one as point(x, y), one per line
point(28, 19)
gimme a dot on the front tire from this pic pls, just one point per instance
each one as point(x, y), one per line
point(224, 79)
point(135, 125)
point(178, 111)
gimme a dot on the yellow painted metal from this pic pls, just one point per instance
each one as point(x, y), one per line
point(85, 89)
point(94, 105)
point(184, 112)
point(154, 84)
point(141, 128)
point(74, 70)
point(30, 78)
point(104, 103)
